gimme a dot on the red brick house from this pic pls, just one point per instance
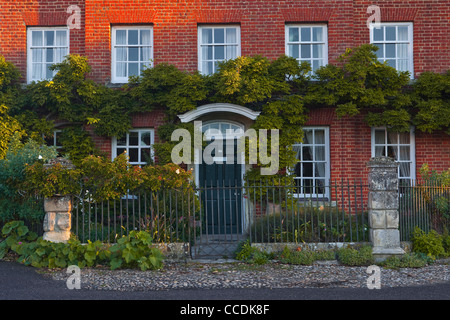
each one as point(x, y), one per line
point(118, 37)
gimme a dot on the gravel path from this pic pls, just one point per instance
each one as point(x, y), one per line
point(227, 274)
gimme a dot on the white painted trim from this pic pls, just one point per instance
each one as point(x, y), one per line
point(218, 107)
point(139, 130)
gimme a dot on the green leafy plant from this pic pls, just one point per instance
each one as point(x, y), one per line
point(428, 243)
point(356, 256)
point(408, 260)
point(135, 250)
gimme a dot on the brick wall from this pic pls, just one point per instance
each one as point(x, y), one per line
point(262, 25)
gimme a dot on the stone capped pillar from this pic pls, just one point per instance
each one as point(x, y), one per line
point(58, 211)
point(383, 208)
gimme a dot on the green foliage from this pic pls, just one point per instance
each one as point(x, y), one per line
point(430, 243)
point(299, 256)
point(103, 178)
point(360, 82)
point(431, 96)
point(14, 202)
point(135, 250)
point(408, 260)
point(249, 254)
point(356, 257)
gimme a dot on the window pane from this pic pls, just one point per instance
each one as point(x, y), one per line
point(378, 34)
point(206, 35)
point(305, 51)
point(403, 65)
point(390, 34)
point(320, 153)
point(405, 153)
point(36, 55)
point(317, 34)
point(380, 152)
point(133, 69)
point(404, 170)
point(219, 36)
point(121, 54)
point(391, 63)
point(319, 137)
point(49, 73)
point(207, 67)
point(60, 53)
point(403, 33)
point(380, 51)
point(231, 35)
point(133, 54)
point(379, 136)
point(392, 138)
point(293, 51)
point(120, 151)
point(133, 138)
point(219, 52)
point(133, 37)
point(121, 37)
point(402, 50)
point(390, 50)
point(207, 53)
point(404, 138)
point(145, 138)
point(231, 52)
point(121, 69)
point(145, 155)
point(36, 38)
point(37, 71)
point(145, 54)
point(293, 34)
point(49, 38)
point(307, 154)
point(306, 34)
point(307, 169)
point(61, 38)
point(49, 55)
point(317, 51)
point(320, 170)
point(392, 152)
point(133, 153)
point(145, 37)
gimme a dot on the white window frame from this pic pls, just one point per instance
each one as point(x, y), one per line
point(127, 146)
point(213, 44)
point(56, 133)
point(409, 42)
point(30, 47)
point(114, 45)
point(326, 161)
point(412, 150)
point(323, 42)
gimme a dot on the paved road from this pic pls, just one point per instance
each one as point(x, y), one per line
point(18, 282)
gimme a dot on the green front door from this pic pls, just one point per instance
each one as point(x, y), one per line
point(221, 194)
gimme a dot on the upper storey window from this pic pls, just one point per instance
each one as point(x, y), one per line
point(308, 43)
point(395, 44)
point(132, 52)
point(45, 47)
point(216, 44)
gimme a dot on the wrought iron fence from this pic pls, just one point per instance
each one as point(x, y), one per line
point(423, 204)
point(221, 212)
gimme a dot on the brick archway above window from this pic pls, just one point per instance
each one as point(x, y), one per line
point(44, 19)
point(398, 14)
point(307, 14)
point(130, 16)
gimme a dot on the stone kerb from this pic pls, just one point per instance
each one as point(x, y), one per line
point(383, 208)
point(58, 212)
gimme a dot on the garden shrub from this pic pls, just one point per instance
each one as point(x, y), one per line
point(134, 250)
point(430, 243)
point(356, 257)
point(408, 260)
